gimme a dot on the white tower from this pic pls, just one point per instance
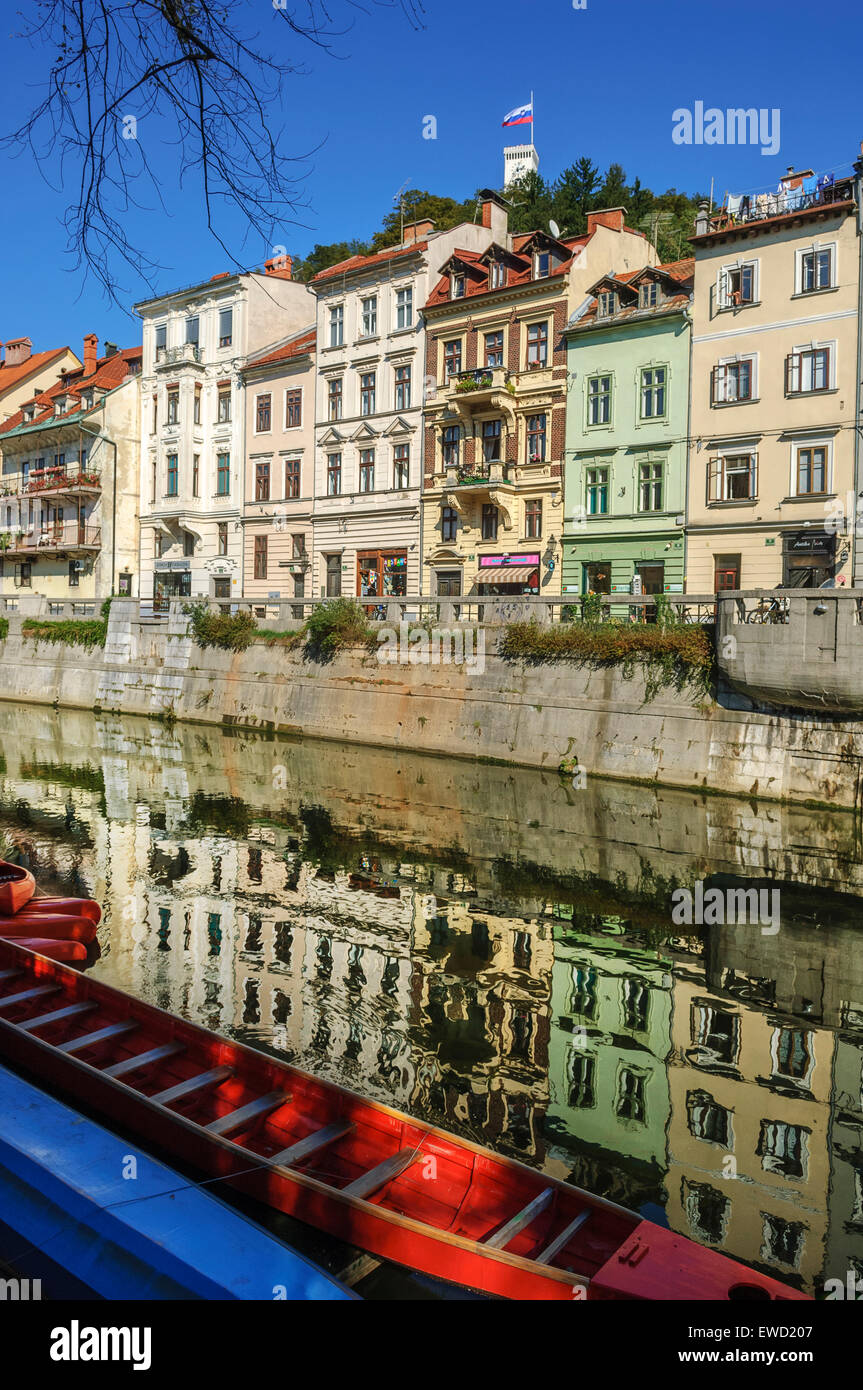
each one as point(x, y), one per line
point(518, 160)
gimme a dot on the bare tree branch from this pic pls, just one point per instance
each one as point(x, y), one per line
point(125, 72)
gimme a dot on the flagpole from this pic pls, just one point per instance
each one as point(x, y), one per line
point(532, 141)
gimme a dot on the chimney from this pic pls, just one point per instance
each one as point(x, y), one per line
point(18, 351)
point(702, 220)
point(495, 215)
point(91, 353)
point(110, 349)
point(417, 231)
point(613, 218)
point(280, 266)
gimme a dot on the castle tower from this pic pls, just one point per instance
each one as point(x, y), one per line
point(518, 160)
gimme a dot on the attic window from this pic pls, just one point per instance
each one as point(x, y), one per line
point(607, 304)
point(60, 406)
point(541, 265)
point(457, 287)
point(29, 413)
point(496, 275)
point(648, 295)
point(87, 399)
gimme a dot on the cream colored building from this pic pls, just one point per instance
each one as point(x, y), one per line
point(69, 504)
point(280, 469)
point(25, 373)
point(771, 474)
point(193, 435)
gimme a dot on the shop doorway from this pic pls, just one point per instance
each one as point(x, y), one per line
point(808, 560)
point(168, 586)
point(382, 574)
point(651, 578)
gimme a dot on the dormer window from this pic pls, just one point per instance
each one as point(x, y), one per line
point(29, 413)
point(497, 275)
point(60, 406)
point(457, 286)
point(541, 265)
point(648, 295)
point(87, 399)
point(607, 304)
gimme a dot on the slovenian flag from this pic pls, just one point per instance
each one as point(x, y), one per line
point(520, 116)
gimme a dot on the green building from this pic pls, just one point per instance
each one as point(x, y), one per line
point(628, 354)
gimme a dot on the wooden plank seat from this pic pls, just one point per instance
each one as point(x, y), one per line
point(368, 1183)
point(313, 1143)
point(560, 1242)
point(58, 1015)
point(143, 1059)
point(520, 1221)
point(38, 992)
point(246, 1115)
point(9, 975)
point(202, 1081)
point(106, 1034)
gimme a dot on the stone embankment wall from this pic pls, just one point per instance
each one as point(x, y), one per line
point(535, 716)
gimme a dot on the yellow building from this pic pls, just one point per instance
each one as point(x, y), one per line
point(496, 401)
point(774, 389)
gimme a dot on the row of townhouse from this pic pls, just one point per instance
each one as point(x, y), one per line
point(470, 411)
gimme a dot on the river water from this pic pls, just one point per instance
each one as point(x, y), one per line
point(492, 949)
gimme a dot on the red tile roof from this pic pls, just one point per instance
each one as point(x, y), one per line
point(110, 372)
point(679, 272)
point(10, 376)
point(367, 262)
point(519, 267)
point(294, 347)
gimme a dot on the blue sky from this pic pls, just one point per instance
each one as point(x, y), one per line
point(606, 81)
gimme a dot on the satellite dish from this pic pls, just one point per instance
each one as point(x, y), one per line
point(554, 229)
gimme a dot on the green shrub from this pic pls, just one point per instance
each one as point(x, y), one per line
point(4, 629)
point(341, 622)
point(73, 632)
point(233, 632)
point(674, 655)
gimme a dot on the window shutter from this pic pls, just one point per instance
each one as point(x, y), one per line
point(753, 473)
point(714, 479)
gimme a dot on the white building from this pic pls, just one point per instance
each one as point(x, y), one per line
point(368, 434)
point(196, 341)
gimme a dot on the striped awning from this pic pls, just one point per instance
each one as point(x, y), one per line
point(505, 574)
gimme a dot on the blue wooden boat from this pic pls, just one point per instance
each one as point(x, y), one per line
point(93, 1216)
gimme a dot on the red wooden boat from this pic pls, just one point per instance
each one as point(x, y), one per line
point(17, 887)
point(63, 907)
point(363, 1172)
point(53, 926)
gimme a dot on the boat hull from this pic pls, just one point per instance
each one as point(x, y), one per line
point(48, 926)
point(17, 887)
point(454, 1244)
point(65, 951)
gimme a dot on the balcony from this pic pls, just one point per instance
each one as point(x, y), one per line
point(481, 476)
point(58, 536)
point(766, 205)
point(66, 478)
point(186, 355)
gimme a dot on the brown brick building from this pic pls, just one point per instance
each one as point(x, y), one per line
point(496, 396)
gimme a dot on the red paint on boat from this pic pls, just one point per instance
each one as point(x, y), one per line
point(359, 1170)
point(55, 927)
point(17, 887)
point(55, 950)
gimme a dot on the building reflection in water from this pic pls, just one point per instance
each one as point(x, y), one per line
point(715, 1084)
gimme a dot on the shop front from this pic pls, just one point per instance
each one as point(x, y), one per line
point(171, 579)
point(507, 575)
point(382, 573)
point(650, 565)
point(808, 558)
